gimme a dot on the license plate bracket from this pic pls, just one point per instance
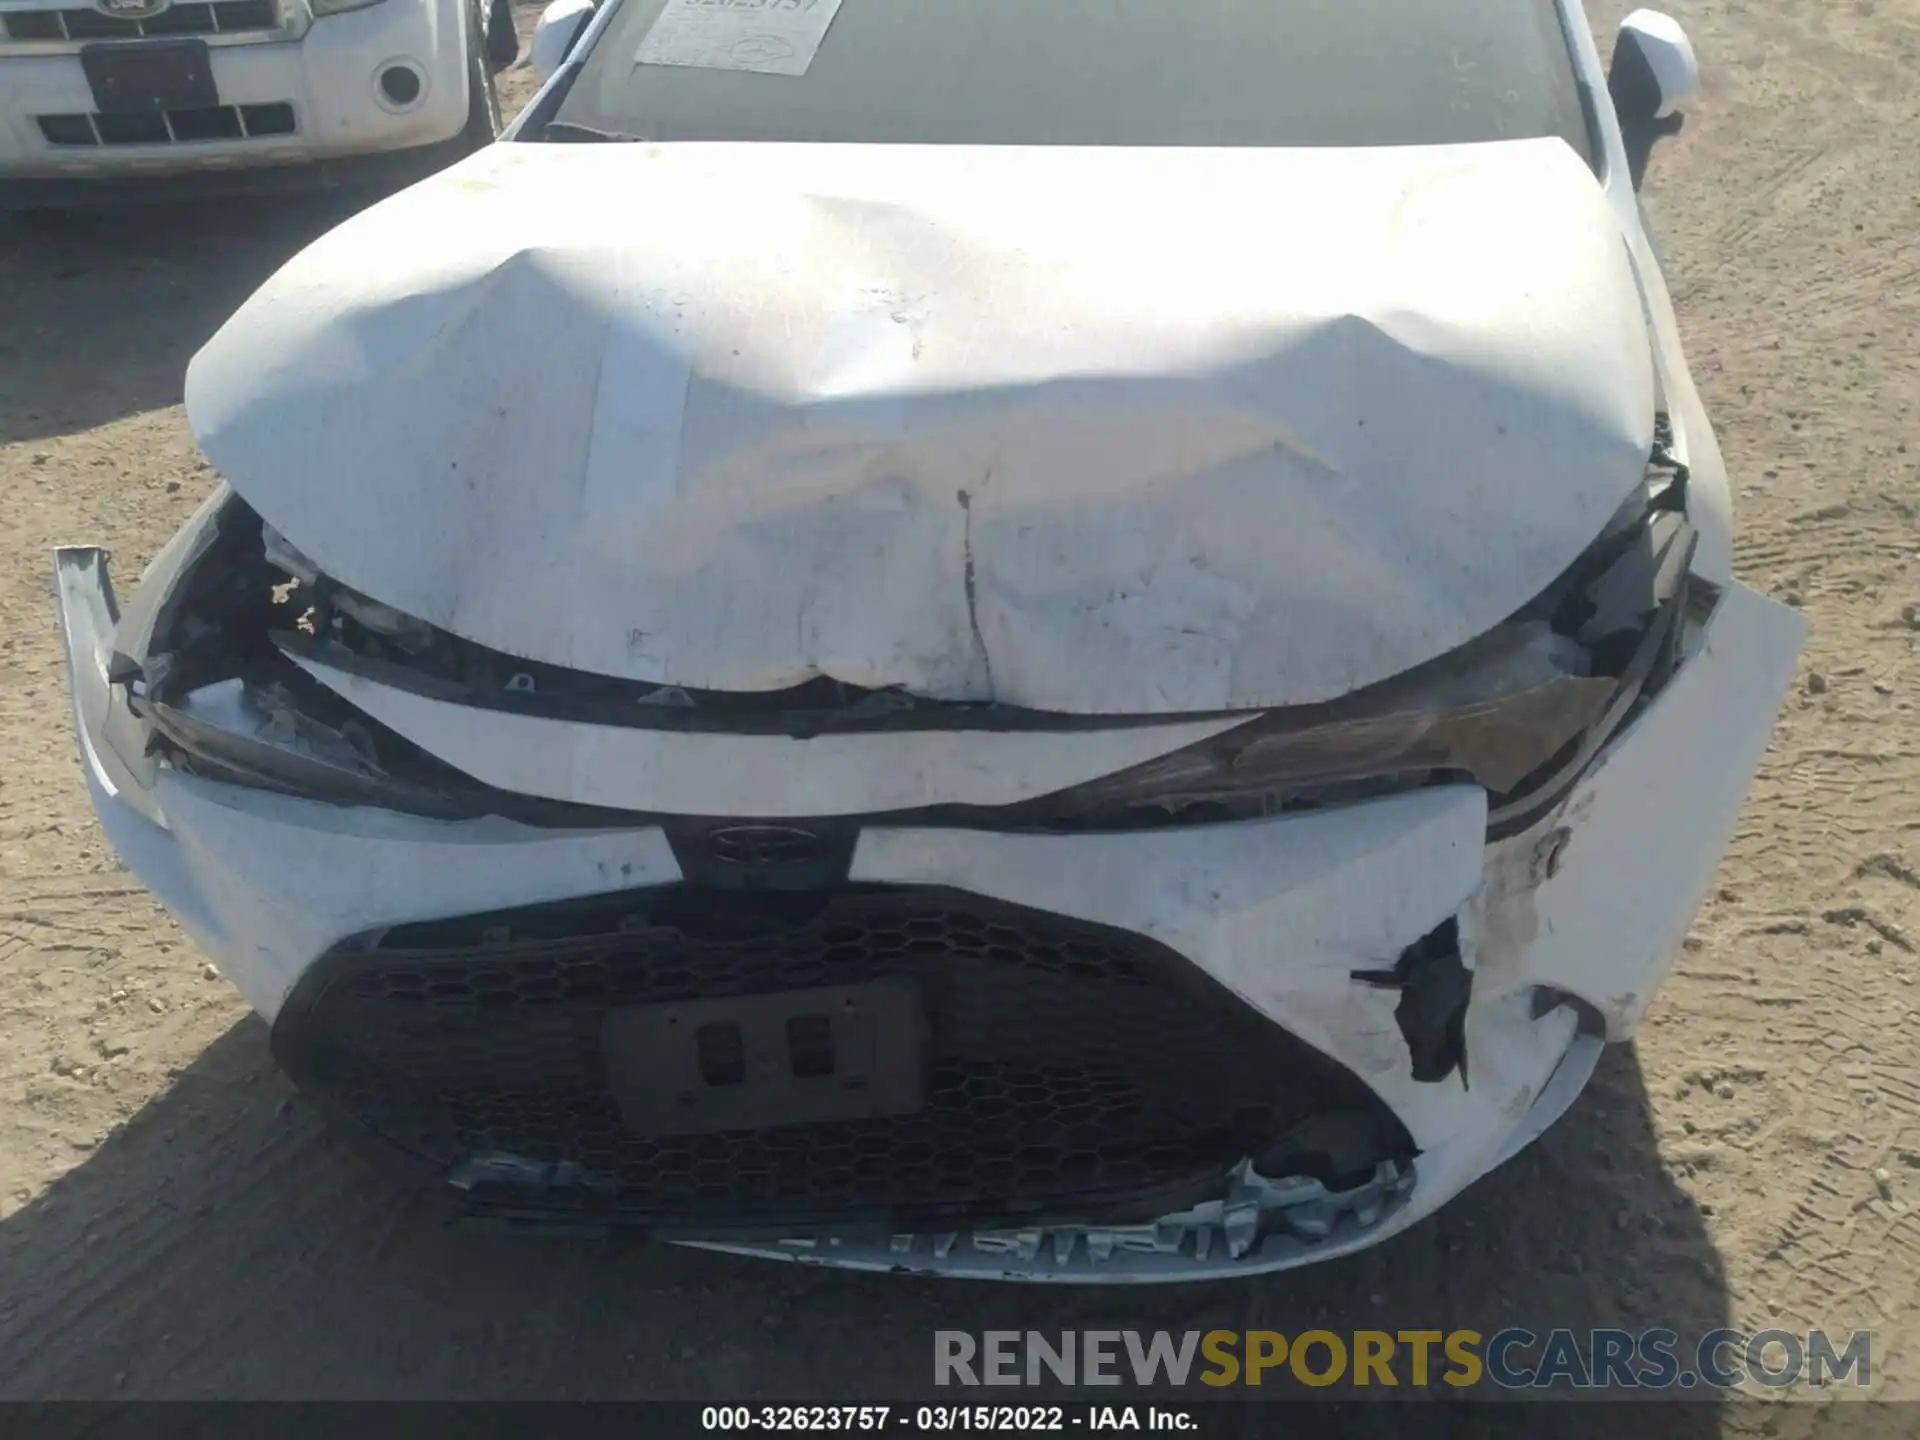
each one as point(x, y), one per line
point(145, 77)
point(749, 1062)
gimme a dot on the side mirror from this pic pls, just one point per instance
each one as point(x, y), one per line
point(1653, 74)
point(559, 26)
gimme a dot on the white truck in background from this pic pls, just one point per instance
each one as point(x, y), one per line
point(113, 100)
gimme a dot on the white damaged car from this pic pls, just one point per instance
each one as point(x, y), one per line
point(1030, 639)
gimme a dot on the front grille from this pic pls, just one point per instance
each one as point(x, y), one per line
point(1072, 1070)
point(222, 17)
point(169, 127)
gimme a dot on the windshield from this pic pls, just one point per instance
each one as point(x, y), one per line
point(1081, 72)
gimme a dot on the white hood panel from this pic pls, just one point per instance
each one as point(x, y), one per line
point(1095, 431)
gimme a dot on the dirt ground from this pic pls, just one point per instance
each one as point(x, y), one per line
point(174, 1224)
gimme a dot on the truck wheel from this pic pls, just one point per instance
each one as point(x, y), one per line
point(503, 41)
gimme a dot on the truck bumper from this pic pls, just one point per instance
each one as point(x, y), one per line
point(327, 79)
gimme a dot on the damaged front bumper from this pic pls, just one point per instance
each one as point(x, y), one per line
point(1436, 971)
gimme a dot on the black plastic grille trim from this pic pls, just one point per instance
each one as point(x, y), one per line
point(1077, 1071)
point(169, 127)
point(222, 17)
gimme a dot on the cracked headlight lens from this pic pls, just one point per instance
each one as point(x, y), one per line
point(1519, 711)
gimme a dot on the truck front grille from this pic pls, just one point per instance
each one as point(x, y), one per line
point(221, 17)
point(1070, 1069)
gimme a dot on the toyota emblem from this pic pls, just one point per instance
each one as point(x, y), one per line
point(764, 845)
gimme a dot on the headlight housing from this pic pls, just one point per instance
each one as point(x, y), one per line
point(1521, 711)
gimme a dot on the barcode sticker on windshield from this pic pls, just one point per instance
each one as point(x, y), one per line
point(772, 37)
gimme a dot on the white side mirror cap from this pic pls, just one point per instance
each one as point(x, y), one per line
point(559, 26)
point(1668, 53)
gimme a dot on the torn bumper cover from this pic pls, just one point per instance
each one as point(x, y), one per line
point(1034, 996)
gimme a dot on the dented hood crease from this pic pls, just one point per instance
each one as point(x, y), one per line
point(1091, 431)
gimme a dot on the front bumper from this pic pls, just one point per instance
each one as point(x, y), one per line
point(1567, 927)
point(327, 76)
point(379, 171)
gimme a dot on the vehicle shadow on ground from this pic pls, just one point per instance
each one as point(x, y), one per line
point(102, 310)
point(221, 1244)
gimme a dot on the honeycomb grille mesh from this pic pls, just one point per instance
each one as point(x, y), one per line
point(1071, 1066)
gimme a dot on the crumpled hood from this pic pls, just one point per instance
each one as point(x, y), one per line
point(1094, 431)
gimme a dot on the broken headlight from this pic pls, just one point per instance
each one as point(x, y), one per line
point(1520, 711)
